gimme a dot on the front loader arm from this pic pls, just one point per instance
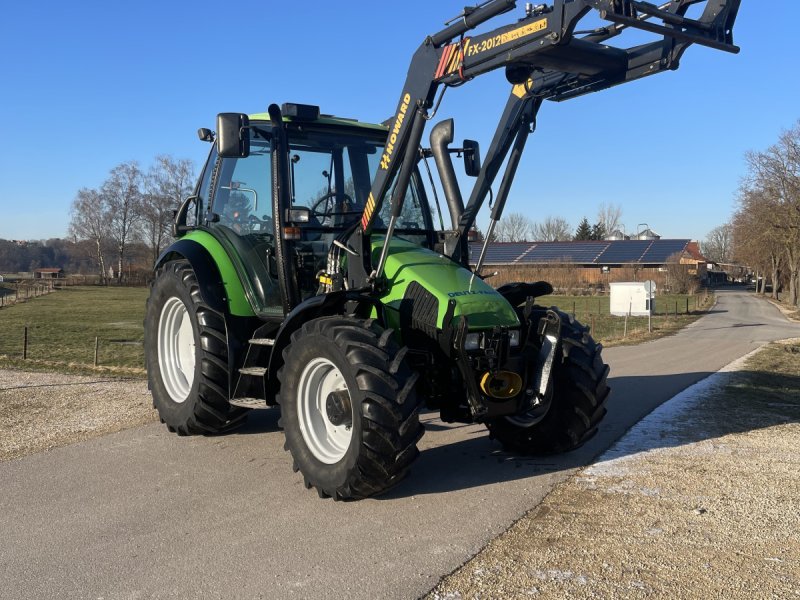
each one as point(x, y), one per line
point(544, 58)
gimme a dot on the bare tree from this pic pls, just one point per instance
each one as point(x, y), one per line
point(514, 227)
point(122, 193)
point(610, 217)
point(680, 280)
point(552, 229)
point(718, 245)
point(167, 184)
point(773, 186)
point(756, 243)
point(90, 222)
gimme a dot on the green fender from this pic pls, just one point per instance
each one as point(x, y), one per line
point(213, 267)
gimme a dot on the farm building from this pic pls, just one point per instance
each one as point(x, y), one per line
point(592, 264)
point(48, 273)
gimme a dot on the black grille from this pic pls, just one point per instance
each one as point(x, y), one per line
point(419, 309)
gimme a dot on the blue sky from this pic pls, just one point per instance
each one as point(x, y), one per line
point(85, 86)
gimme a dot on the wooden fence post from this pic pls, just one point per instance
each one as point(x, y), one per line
point(96, 349)
point(25, 343)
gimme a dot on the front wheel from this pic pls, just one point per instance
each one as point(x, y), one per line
point(574, 405)
point(186, 355)
point(348, 407)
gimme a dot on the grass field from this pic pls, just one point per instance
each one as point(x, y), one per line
point(673, 312)
point(62, 326)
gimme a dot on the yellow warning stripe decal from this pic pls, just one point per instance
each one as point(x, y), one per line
point(368, 209)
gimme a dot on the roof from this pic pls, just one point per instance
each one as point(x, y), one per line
point(48, 270)
point(326, 120)
point(693, 250)
point(604, 252)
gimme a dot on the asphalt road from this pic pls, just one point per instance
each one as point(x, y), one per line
point(144, 513)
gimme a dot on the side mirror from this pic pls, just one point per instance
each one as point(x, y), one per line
point(472, 158)
point(233, 135)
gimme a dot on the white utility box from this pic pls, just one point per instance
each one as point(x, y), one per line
point(634, 298)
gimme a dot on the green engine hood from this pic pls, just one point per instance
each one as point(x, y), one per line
point(446, 280)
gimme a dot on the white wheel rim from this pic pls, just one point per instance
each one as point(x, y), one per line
point(327, 442)
point(176, 349)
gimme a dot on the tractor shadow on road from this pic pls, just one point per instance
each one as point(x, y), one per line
point(461, 457)
point(259, 421)
point(473, 462)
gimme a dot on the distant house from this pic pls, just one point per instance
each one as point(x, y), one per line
point(595, 263)
point(697, 263)
point(709, 272)
point(48, 273)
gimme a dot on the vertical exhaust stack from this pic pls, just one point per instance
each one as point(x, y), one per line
point(441, 138)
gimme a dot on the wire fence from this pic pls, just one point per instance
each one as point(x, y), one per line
point(80, 326)
point(671, 312)
point(11, 294)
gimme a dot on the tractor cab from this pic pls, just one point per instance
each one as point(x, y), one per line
point(331, 164)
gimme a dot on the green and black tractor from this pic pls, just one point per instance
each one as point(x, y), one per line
point(312, 269)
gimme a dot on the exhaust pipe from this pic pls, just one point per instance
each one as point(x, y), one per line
point(441, 138)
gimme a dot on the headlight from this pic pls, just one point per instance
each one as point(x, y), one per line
point(472, 341)
point(475, 341)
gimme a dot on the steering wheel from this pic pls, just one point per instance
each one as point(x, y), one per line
point(329, 207)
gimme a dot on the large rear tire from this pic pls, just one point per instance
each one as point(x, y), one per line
point(575, 405)
point(348, 407)
point(186, 355)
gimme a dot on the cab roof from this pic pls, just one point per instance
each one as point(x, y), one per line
point(324, 120)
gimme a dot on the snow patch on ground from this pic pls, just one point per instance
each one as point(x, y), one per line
point(637, 443)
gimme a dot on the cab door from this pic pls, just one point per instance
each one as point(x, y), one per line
point(240, 216)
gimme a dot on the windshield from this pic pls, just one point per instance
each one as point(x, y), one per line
point(331, 173)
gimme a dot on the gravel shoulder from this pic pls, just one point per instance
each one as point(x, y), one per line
point(40, 411)
point(701, 499)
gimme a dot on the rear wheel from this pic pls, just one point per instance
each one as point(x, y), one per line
point(574, 406)
point(348, 407)
point(186, 355)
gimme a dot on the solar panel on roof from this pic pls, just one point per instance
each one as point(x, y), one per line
point(660, 251)
point(498, 253)
point(624, 251)
point(567, 252)
point(601, 252)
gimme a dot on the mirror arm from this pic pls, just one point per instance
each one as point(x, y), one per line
point(179, 225)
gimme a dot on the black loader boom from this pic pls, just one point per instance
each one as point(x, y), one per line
point(545, 58)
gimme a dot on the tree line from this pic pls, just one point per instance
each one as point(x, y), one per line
point(130, 209)
point(16, 256)
point(766, 225)
point(517, 227)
